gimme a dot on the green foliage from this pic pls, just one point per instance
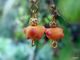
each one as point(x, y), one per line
point(69, 10)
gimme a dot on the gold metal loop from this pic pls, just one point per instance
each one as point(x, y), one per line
point(54, 44)
point(32, 42)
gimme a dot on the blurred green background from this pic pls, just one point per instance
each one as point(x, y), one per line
point(15, 15)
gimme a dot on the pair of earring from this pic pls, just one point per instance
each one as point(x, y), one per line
point(35, 31)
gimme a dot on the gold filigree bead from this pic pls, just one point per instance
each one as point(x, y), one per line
point(33, 21)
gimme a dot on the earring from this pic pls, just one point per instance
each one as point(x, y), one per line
point(54, 33)
point(34, 31)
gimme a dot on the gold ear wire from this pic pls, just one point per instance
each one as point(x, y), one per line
point(34, 8)
point(34, 12)
point(52, 9)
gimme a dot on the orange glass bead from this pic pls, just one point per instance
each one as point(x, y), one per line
point(54, 33)
point(34, 32)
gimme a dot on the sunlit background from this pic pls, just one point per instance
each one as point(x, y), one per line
point(15, 15)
